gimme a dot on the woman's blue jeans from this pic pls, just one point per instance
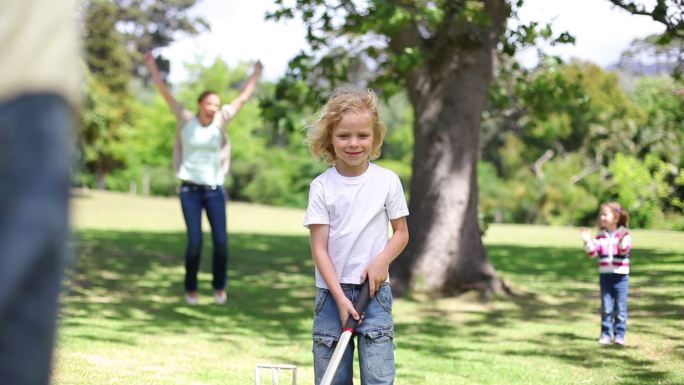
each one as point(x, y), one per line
point(614, 290)
point(212, 199)
point(375, 338)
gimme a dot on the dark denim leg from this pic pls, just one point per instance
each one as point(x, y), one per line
point(215, 205)
point(326, 332)
point(34, 191)
point(191, 203)
point(621, 292)
point(607, 304)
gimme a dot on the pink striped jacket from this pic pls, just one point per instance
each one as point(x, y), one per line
point(612, 250)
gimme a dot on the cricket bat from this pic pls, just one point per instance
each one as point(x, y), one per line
point(347, 333)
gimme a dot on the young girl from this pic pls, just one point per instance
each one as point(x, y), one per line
point(612, 246)
point(201, 157)
point(350, 205)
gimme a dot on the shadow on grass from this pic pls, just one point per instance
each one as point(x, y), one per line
point(559, 286)
point(572, 279)
point(564, 346)
point(134, 280)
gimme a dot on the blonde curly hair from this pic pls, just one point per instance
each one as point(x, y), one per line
point(345, 99)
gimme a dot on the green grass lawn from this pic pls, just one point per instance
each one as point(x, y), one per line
point(124, 320)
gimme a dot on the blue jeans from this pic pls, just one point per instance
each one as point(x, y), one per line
point(35, 163)
point(375, 338)
point(212, 199)
point(614, 289)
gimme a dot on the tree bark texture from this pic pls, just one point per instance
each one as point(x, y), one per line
point(445, 255)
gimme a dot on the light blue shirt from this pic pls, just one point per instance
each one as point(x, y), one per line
point(205, 150)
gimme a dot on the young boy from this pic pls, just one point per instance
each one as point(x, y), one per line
point(350, 205)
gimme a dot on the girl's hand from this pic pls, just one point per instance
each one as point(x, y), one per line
point(345, 308)
point(586, 235)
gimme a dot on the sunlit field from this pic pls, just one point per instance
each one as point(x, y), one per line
point(124, 320)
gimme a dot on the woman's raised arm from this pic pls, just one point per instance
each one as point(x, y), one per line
point(161, 84)
point(248, 89)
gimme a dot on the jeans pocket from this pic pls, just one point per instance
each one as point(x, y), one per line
point(323, 347)
point(324, 343)
point(380, 352)
point(321, 297)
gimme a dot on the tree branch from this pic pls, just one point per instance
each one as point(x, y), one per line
point(584, 173)
point(537, 166)
point(673, 27)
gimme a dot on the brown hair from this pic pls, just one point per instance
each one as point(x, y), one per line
point(345, 99)
point(204, 94)
point(619, 212)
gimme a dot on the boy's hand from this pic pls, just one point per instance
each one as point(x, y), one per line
point(345, 308)
point(377, 273)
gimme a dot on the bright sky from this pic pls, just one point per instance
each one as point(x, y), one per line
point(601, 30)
point(239, 33)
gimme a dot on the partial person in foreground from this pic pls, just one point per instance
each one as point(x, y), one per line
point(612, 246)
point(349, 209)
point(39, 93)
point(201, 158)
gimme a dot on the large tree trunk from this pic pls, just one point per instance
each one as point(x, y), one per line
point(445, 254)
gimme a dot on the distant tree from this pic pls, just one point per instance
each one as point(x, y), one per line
point(669, 13)
point(550, 132)
point(441, 53)
point(105, 116)
point(105, 52)
point(665, 12)
point(138, 26)
point(150, 24)
point(662, 131)
point(116, 32)
point(662, 136)
point(648, 56)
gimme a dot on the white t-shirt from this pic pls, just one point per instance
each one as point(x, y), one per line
point(357, 210)
point(205, 150)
